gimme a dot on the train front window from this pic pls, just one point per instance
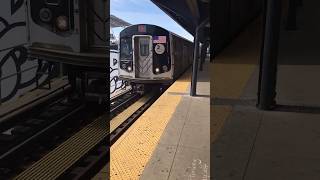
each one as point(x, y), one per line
point(144, 47)
point(125, 48)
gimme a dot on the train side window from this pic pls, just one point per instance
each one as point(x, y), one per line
point(125, 48)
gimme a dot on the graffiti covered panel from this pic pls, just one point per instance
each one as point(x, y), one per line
point(13, 31)
point(18, 73)
point(117, 86)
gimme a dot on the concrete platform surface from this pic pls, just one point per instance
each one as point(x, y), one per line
point(283, 144)
point(183, 151)
point(171, 139)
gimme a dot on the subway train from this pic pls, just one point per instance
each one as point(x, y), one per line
point(69, 31)
point(150, 54)
point(72, 34)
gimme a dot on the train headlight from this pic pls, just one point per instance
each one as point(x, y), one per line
point(62, 23)
point(45, 15)
point(129, 68)
point(165, 68)
point(157, 70)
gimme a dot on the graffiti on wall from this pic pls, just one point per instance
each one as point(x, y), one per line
point(14, 6)
point(115, 83)
point(18, 74)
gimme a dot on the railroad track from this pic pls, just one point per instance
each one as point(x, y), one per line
point(33, 136)
point(85, 153)
point(81, 153)
point(124, 112)
point(120, 103)
point(122, 121)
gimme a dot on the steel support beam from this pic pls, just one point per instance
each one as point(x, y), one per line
point(195, 66)
point(269, 55)
point(0, 86)
point(193, 89)
point(194, 7)
point(203, 54)
point(292, 15)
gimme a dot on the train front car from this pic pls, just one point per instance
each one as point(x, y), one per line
point(69, 31)
point(145, 55)
point(72, 36)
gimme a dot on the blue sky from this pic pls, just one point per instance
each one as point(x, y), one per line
point(145, 12)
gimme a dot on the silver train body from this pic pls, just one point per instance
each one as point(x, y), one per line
point(151, 54)
point(69, 31)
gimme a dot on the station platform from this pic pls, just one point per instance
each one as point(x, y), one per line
point(171, 140)
point(284, 143)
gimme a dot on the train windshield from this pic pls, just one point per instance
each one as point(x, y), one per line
point(126, 48)
point(144, 47)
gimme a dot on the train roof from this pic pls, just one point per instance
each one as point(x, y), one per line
point(157, 27)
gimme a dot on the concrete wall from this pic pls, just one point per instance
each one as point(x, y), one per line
point(229, 17)
point(17, 72)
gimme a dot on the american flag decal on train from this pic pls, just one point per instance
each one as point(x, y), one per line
point(159, 39)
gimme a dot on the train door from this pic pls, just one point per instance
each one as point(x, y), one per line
point(142, 56)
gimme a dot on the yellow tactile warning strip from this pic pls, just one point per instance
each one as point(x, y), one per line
point(231, 71)
point(117, 121)
point(130, 154)
point(56, 162)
